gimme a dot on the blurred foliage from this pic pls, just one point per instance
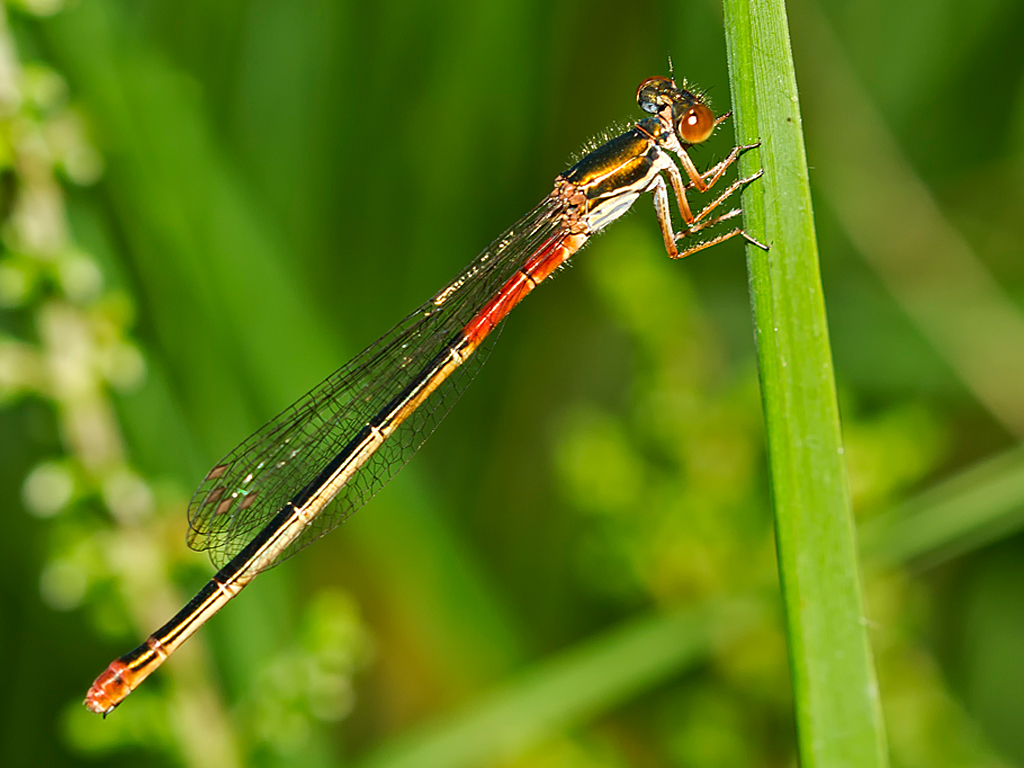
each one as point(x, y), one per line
point(210, 204)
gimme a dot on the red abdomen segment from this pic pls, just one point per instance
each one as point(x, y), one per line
point(549, 257)
point(109, 689)
point(123, 676)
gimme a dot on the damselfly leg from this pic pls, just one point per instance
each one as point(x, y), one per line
point(701, 182)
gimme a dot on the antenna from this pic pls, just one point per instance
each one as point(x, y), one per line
point(671, 72)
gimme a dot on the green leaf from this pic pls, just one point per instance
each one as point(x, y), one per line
point(568, 689)
point(838, 715)
point(981, 505)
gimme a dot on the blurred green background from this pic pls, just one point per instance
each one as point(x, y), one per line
point(209, 205)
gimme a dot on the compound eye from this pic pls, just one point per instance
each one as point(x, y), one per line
point(654, 93)
point(696, 124)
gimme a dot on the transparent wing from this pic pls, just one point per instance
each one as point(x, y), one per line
point(253, 483)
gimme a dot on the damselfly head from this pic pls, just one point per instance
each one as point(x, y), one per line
point(692, 120)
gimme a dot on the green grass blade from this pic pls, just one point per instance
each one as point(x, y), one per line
point(567, 689)
point(977, 507)
point(835, 692)
point(899, 227)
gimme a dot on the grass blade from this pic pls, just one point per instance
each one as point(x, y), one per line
point(835, 692)
point(981, 505)
point(567, 689)
point(900, 229)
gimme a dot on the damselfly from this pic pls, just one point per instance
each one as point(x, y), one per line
point(324, 457)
